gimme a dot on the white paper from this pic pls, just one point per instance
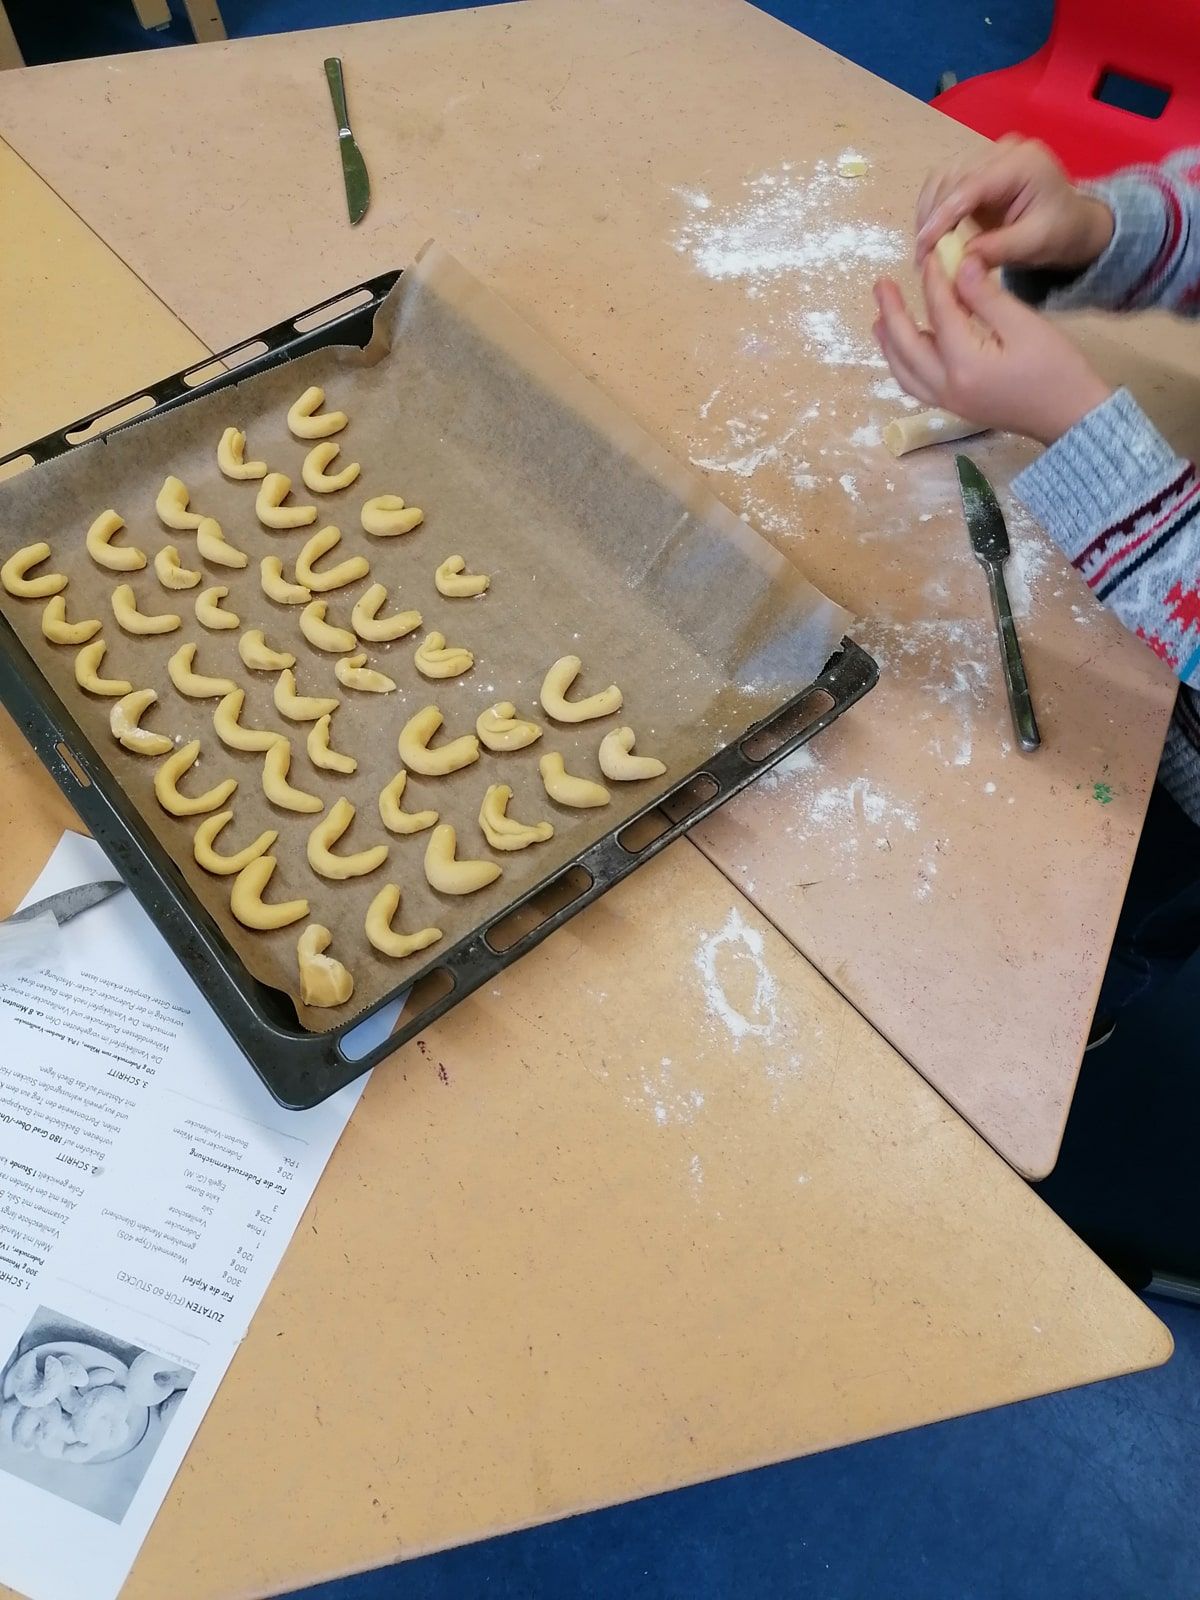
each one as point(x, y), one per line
point(149, 1186)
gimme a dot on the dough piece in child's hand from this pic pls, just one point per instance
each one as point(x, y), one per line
point(322, 754)
point(617, 762)
point(387, 515)
point(205, 851)
point(99, 545)
point(951, 247)
point(276, 765)
point(323, 635)
point(194, 684)
point(446, 873)
point(565, 788)
point(300, 707)
point(214, 547)
point(321, 543)
point(922, 428)
point(172, 506)
point(456, 583)
point(166, 785)
point(396, 820)
point(322, 482)
point(369, 625)
point(277, 587)
point(501, 729)
point(554, 695)
point(503, 832)
point(257, 654)
point(59, 631)
point(435, 659)
point(270, 509)
point(171, 572)
point(14, 574)
point(208, 609)
point(87, 671)
point(353, 672)
point(125, 609)
point(124, 719)
point(383, 936)
point(325, 835)
point(230, 730)
point(231, 452)
point(418, 757)
point(247, 903)
point(307, 421)
point(324, 981)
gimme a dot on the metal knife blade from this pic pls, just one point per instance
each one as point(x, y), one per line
point(68, 903)
point(354, 168)
point(985, 520)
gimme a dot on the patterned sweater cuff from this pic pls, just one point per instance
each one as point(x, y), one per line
point(1117, 276)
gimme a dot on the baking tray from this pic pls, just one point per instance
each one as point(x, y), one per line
point(298, 1067)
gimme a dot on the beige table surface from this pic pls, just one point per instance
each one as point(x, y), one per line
point(598, 164)
point(617, 1224)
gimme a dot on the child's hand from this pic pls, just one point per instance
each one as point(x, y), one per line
point(1031, 213)
point(1005, 367)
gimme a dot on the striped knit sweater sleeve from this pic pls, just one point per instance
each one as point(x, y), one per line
point(1111, 492)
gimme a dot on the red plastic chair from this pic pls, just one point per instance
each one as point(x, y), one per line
point(1052, 95)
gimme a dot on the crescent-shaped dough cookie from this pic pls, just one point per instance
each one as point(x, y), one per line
point(257, 654)
point(414, 746)
point(171, 572)
point(384, 937)
point(194, 684)
point(324, 981)
point(322, 754)
point(299, 707)
point(322, 482)
point(59, 631)
point(87, 671)
point(125, 609)
point(115, 558)
point(435, 659)
point(554, 700)
point(321, 543)
point(276, 765)
point(369, 625)
point(617, 763)
point(307, 421)
point(247, 903)
point(448, 875)
point(387, 515)
point(208, 609)
point(124, 720)
point(951, 247)
point(172, 506)
point(230, 730)
point(353, 672)
point(166, 785)
point(204, 846)
point(323, 635)
point(214, 547)
point(923, 428)
point(503, 832)
point(501, 729)
point(568, 790)
point(456, 583)
point(270, 509)
point(277, 587)
point(231, 457)
point(396, 820)
point(14, 574)
point(327, 833)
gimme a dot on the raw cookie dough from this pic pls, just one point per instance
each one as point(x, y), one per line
point(307, 421)
point(326, 834)
point(387, 515)
point(270, 509)
point(396, 820)
point(554, 691)
point(369, 625)
point(172, 506)
point(231, 453)
point(214, 547)
point(99, 545)
point(230, 730)
point(617, 762)
point(194, 684)
point(206, 854)
point(166, 782)
point(501, 729)
point(503, 832)
point(567, 789)
point(299, 707)
point(208, 609)
point(323, 635)
point(247, 903)
point(951, 247)
point(87, 671)
point(456, 583)
point(322, 754)
point(383, 936)
point(914, 432)
point(257, 654)
point(59, 631)
point(124, 720)
point(353, 672)
point(414, 746)
point(434, 659)
point(448, 875)
point(324, 981)
point(276, 766)
point(277, 587)
point(171, 572)
point(315, 476)
point(321, 543)
point(14, 574)
point(125, 609)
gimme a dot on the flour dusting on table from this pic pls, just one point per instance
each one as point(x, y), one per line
point(737, 947)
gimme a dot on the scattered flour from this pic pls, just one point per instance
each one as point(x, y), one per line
point(736, 943)
point(828, 336)
point(869, 435)
point(670, 1102)
point(799, 761)
point(848, 484)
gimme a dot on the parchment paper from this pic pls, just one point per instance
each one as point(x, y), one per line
point(598, 543)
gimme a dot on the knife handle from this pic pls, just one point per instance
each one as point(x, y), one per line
point(337, 92)
point(1020, 702)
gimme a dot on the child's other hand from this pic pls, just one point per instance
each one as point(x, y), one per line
point(1031, 213)
point(986, 356)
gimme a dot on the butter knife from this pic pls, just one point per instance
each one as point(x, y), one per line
point(354, 168)
point(989, 541)
point(29, 938)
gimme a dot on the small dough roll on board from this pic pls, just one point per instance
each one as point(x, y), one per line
point(922, 428)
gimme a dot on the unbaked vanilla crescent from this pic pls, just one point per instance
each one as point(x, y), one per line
point(15, 574)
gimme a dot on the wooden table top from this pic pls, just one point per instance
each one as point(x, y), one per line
point(692, 1216)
